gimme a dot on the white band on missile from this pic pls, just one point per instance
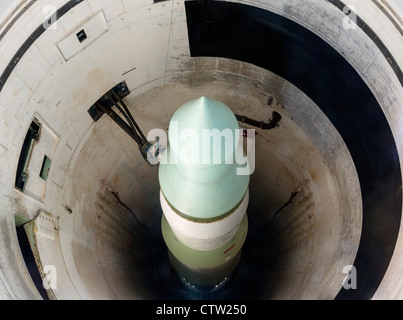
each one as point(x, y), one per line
point(204, 236)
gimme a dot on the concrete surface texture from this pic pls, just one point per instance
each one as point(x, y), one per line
point(326, 191)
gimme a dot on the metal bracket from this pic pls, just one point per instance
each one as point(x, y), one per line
point(276, 117)
point(114, 99)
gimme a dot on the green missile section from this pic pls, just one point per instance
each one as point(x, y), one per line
point(196, 259)
point(198, 171)
point(204, 278)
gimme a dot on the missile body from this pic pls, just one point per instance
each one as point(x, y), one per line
point(204, 200)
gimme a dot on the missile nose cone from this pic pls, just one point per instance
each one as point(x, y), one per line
point(198, 176)
point(203, 113)
point(200, 131)
point(205, 106)
point(203, 100)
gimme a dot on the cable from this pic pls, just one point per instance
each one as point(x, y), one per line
point(260, 124)
point(129, 114)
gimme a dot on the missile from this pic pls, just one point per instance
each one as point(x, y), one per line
point(203, 197)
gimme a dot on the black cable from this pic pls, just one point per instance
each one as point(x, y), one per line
point(138, 139)
point(141, 140)
point(129, 114)
point(118, 120)
point(260, 124)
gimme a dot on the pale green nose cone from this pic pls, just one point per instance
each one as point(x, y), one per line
point(198, 171)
